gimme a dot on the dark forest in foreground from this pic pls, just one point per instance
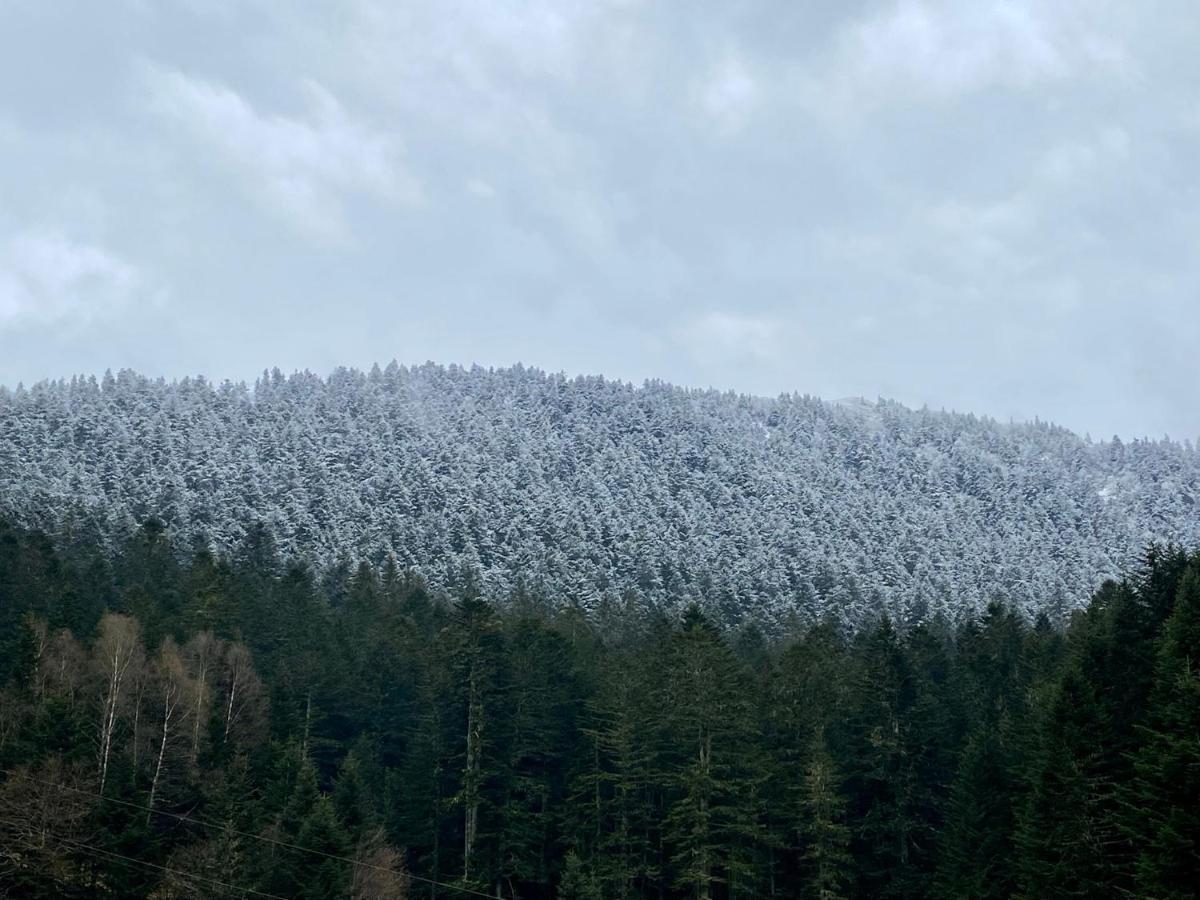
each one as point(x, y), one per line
point(167, 728)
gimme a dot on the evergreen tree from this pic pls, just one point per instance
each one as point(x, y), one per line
point(1165, 802)
point(876, 746)
point(322, 876)
point(1070, 833)
point(474, 643)
point(635, 757)
point(539, 733)
point(826, 839)
point(617, 801)
point(712, 825)
point(577, 883)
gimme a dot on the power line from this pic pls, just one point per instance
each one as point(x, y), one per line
point(121, 857)
point(258, 837)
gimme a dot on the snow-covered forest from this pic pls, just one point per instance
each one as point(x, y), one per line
point(588, 489)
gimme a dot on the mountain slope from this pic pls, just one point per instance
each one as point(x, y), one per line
point(586, 487)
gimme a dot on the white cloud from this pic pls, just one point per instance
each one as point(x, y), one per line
point(481, 188)
point(484, 78)
point(731, 336)
point(49, 279)
point(938, 50)
point(1072, 161)
point(951, 170)
point(955, 47)
point(471, 39)
point(303, 168)
point(729, 94)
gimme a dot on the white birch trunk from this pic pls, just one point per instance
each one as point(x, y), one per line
point(170, 699)
point(116, 650)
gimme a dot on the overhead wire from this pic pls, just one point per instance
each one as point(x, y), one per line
point(133, 860)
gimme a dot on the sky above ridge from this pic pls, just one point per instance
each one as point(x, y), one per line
point(991, 207)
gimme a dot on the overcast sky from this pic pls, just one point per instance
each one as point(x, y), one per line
point(984, 206)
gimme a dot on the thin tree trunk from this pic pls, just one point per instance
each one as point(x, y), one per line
point(433, 884)
point(137, 719)
point(233, 687)
point(437, 801)
point(705, 884)
point(471, 776)
point(596, 800)
point(200, 683)
point(307, 723)
point(170, 695)
point(109, 720)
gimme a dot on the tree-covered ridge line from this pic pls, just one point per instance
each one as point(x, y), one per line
point(588, 488)
point(523, 750)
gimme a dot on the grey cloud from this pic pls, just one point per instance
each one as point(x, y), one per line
point(52, 280)
point(986, 206)
point(300, 166)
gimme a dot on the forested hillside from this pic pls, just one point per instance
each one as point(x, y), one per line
point(776, 509)
point(236, 727)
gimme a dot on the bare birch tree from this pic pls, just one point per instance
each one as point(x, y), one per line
point(171, 690)
point(202, 654)
point(59, 662)
point(243, 699)
point(43, 808)
point(116, 653)
point(378, 872)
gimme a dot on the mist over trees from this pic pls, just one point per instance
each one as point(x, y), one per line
point(587, 490)
point(190, 724)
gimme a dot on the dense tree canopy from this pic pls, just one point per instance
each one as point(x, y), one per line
point(783, 510)
point(237, 725)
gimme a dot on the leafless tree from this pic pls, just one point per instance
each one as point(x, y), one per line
point(171, 690)
point(243, 698)
point(42, 811)
point(59, 662)
point(116, 654)
point(378, 872)
point(202, 655)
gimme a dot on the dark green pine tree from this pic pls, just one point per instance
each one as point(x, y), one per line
point(1064, 830)
point(363, 603)
point(828, 865)
point(474, 647)
point(303, 817)
point(357, 805)
point(714, 780)
point(308, 700)
point(254, 583)
point(149, 581)
point(322, 876)
point(977, 848)
point(1162, 569)
point(420, 743)
point(616, 805)
point(937, 724)
point(296, 788)
point(577, 882)
point(232, 800)
point(538, 733)
point(207, 604)
point(1165, 800)
point(992, 675)
point(808, 686)
point(17, 606)
point(1070, 831)
point(875, 746)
